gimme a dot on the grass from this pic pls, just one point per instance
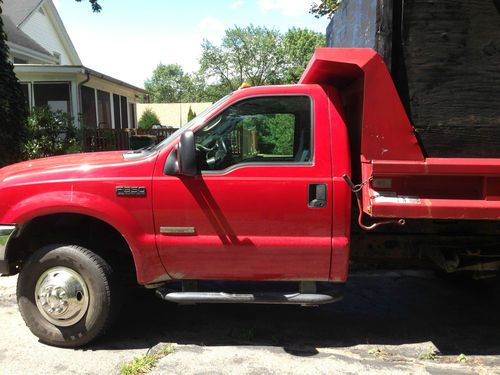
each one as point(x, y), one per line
point(429, 356)
point(144, 363)
point(377, 352)
point(247, 334)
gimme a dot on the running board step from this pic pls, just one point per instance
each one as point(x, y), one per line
point(307, 299)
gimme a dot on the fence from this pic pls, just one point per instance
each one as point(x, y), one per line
point(118, 139)
point(160, 134)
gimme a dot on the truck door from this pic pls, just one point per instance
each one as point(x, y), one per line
point(261, 207)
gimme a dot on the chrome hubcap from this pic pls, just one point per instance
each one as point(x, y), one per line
point(62, 296)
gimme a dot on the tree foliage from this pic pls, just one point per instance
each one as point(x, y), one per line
point(258, 56)
point(299, 45)
point(13, 106)
point(169, 84)
point(274, 132)
point(148, 119)
point(325, 8)
point(95, 5)
point(48, 133)
point(253, 54)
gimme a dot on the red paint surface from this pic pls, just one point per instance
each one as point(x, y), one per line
point(253, 222)
point(85, 184)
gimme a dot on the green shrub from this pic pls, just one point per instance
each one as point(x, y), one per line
point(49, 133)
point(148, 119)
point(191, 114)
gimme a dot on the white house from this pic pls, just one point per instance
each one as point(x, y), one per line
point(51, 72)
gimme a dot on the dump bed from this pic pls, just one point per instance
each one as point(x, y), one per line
point(398, 180)
point(444, 58)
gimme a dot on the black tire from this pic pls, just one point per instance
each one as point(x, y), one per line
point(103, 295)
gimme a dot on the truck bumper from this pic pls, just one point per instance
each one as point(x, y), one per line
point(6, 232)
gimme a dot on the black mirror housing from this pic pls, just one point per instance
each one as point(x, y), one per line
point(182, 159)
point(187, 153)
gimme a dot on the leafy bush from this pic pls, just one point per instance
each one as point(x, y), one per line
point(148, 119)
point(49, 133)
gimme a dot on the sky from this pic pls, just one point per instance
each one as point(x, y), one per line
point(129, 38)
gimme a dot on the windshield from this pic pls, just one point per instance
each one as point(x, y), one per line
point(197, 119)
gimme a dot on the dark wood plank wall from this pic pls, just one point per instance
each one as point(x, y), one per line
point(445, 59)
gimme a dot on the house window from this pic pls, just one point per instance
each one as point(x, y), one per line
point(103, 110)
point(88, 107)
point(25, 88)
point(124, 113)
point(120, 111)
point(116, 110)
point(54, 95)
point(132, 115)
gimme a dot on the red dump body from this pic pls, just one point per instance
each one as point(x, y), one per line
point(400, 181)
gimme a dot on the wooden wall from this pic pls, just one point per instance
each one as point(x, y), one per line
point(444, 56)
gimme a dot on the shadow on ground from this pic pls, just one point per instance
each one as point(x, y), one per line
point(377, 310)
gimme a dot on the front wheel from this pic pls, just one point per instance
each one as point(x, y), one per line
point(67, 295)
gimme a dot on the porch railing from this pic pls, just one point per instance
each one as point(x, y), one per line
point(118, 139)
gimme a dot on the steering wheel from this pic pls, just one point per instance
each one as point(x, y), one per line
point(217, 154)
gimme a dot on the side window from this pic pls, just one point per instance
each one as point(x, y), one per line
point(270, 129)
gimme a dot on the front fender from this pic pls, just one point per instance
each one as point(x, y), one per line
point(132, 217)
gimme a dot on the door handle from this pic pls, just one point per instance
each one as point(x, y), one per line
point(317, 196)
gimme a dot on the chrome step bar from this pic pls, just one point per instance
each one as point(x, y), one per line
point(305, 299)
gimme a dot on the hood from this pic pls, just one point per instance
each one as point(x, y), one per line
point(90, 165)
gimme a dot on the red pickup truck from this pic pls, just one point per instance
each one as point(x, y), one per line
point(257, 188)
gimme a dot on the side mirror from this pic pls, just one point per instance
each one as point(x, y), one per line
point(182, 159)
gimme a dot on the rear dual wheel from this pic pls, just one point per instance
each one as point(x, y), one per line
point(67, 295)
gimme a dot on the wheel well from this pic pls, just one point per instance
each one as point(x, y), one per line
point(66, 228)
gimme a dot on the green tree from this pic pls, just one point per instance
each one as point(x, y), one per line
point(13, 107)
point(258, 56)
point(169, 84)
point(202, 91)
point(325, 8)
point(148, 119)
point(191, 114)
point(252, 54)
point(299, 46)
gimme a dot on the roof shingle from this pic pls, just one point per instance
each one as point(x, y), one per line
point(17, 36)
point(19, 10)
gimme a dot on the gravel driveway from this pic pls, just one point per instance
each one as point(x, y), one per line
point(389, 323)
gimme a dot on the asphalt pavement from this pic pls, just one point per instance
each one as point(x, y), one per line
point(388, 323)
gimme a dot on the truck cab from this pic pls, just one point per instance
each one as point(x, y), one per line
point(259, 201)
